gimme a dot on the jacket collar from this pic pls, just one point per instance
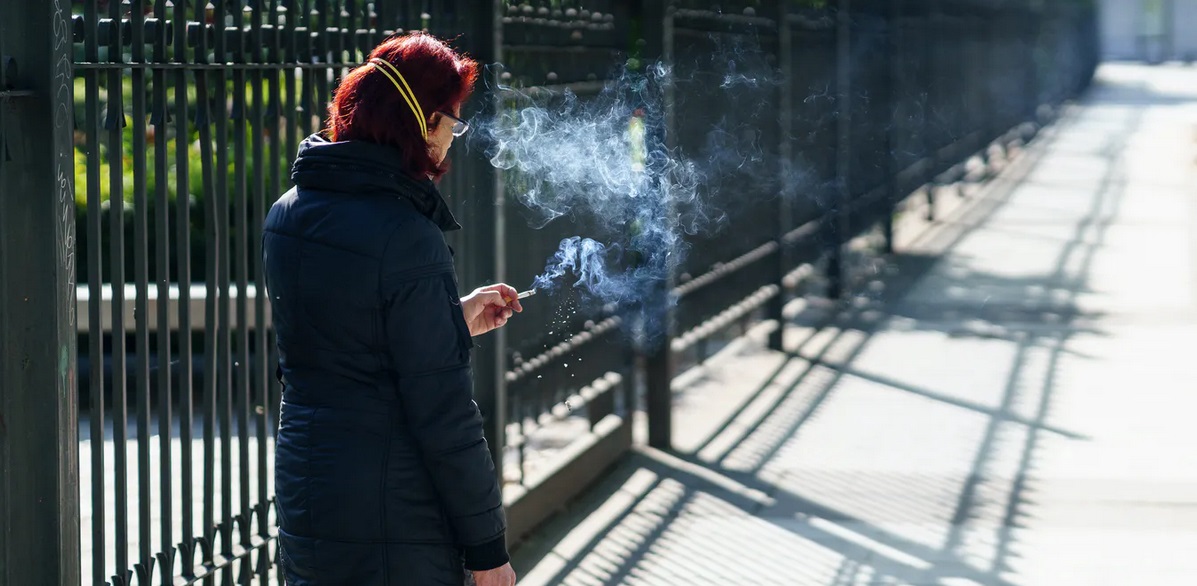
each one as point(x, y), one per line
point(363, 167)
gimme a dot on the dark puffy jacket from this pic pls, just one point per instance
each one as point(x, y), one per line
point(381, 470)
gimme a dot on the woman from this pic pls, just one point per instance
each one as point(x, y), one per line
point(382, 473)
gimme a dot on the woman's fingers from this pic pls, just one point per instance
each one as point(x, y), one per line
point(510, 295)
point(489, 298)
point(498, 303)
point(514, 295)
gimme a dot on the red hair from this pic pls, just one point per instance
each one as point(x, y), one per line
point(368, 107)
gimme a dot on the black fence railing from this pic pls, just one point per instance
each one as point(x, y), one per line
point(712, 149)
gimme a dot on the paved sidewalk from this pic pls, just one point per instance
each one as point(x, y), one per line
point(1013, 401)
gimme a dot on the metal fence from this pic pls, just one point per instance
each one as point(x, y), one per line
point(813, 119)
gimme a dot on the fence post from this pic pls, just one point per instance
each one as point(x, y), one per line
point(930, 147)
point(838, 223)
point(486, 242)
point(1035, 15)
point(656, 42)
point(39, 444)
point(993, 68)
point(781, 264)
point(990, 57)
point(892, 15)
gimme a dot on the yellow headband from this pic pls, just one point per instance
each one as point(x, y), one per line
point(404, 90)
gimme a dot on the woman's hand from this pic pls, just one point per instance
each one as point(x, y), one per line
point(501, 576)
point(489, 307)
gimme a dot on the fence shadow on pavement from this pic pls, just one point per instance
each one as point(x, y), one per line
point(748, 503)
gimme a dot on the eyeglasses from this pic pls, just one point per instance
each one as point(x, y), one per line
point(459, 126)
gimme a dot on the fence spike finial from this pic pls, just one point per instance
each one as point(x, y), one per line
point(186, 556)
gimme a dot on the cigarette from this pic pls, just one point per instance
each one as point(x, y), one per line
point(522, 295)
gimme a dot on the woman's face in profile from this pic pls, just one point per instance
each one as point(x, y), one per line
point(440, 136)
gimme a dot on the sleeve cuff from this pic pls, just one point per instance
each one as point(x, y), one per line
point(486, 556)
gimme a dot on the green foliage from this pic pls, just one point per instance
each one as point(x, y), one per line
point(120, 167)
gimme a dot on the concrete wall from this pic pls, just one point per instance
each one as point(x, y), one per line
point(1149, 30)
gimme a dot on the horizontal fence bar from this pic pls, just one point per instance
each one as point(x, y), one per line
point(193, 297)
point(17, 94)
point(724, 270)
point(222, 561)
